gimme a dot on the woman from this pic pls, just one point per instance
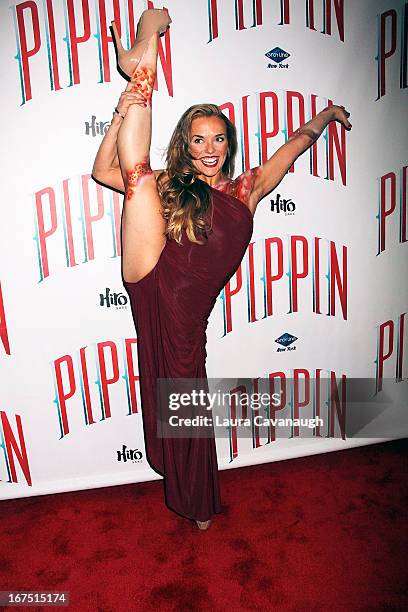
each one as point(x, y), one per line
point(185, 231)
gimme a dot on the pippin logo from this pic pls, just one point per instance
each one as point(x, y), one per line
point(128, 454)
point(277, 55)
point(285, 341)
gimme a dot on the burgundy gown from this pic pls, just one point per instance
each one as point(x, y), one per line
point(170, 307)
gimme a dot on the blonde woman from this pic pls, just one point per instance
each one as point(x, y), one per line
point(185, 230)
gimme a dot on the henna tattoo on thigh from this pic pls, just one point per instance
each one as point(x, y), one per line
point(135, 176)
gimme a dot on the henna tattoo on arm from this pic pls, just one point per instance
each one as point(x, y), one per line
point(243, 185)
point(305, 130)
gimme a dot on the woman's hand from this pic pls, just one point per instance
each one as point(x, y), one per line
point(127, 98)
point(340, 114)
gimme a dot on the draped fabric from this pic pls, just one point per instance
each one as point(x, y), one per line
point(170, 307)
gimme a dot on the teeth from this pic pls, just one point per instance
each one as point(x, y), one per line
point(209, 160)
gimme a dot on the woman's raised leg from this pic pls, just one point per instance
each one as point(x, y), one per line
point(143, 224)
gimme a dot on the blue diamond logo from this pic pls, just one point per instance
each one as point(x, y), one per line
point(286, 339)
point(277, 55)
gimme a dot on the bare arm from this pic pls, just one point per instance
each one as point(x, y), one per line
point(267, 176)
point(106, 168)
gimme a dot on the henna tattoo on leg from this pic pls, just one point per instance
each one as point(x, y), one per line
point(135, 176)
point(143, 82)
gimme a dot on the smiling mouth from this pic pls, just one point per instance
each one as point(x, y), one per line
point(210, 162)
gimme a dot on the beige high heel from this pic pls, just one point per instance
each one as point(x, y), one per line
point(152, 21)
point(203, 525)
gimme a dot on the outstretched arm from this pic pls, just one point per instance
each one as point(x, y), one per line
point(106, 167)
point(263, 179)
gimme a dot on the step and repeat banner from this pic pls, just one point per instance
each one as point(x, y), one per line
point(321, 296)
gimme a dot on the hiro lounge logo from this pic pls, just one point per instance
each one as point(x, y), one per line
point(116, 300)
point(281, 205)
point(285, 341)
point(277, 55)
point(96, 128)
point(129, 454)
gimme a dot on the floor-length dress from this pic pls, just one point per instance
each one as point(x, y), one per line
point(170, 307)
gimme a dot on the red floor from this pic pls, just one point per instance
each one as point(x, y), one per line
point(320, 533)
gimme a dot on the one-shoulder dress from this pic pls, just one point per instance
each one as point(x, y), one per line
point(170, 308)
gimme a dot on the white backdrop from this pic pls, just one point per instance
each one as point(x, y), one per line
point(69, 396)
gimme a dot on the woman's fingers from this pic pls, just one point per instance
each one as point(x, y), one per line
point(134, 99)
point(344, 119)
point(131, 97)
point(127, 98)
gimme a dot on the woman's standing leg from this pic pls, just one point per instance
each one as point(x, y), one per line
point(143, 224)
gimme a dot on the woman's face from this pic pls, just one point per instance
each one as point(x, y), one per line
point(208, 146)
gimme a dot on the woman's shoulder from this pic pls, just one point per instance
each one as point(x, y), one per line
point(240, 187)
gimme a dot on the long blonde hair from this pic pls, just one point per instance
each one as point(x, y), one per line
point(186, 198)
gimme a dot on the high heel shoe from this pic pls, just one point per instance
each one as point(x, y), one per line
point(152, 21)
point(203, 525)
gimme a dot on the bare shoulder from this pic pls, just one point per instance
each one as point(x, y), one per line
point(243, 188)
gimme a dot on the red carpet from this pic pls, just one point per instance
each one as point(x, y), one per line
point(320, 533)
